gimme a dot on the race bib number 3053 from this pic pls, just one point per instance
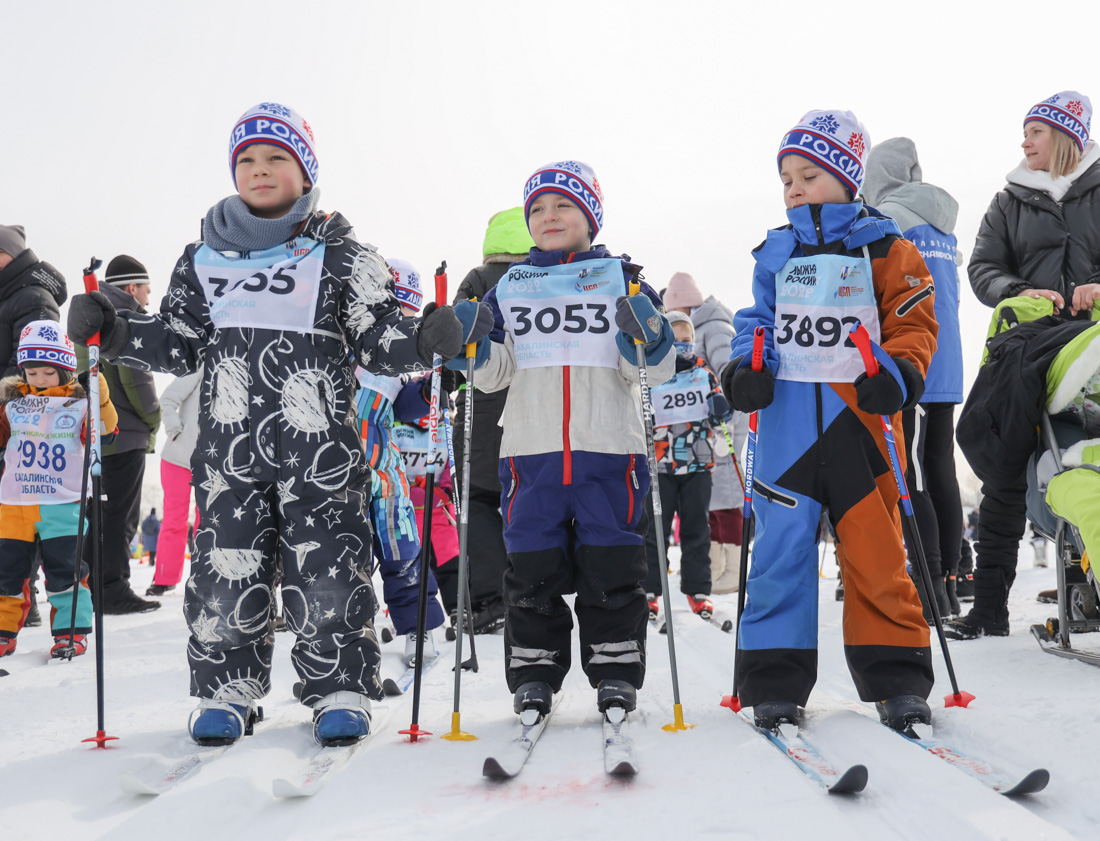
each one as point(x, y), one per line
point(563, 315)
point(276, 289)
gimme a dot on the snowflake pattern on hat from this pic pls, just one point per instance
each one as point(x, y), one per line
point(826, 123)
point(1067, 111)
point(1075, 108)
point(275, 108)
point(855, 143)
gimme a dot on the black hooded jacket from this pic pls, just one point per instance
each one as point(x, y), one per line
point(1029, 240)
point(30, 290)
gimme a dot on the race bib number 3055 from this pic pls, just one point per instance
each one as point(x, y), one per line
point(276, 289)
point(563, 315)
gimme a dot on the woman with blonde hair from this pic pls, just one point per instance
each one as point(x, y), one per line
point(1040, 238)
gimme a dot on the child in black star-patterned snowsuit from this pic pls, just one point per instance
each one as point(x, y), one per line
point(274, 300)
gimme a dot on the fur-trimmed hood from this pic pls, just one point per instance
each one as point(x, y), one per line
point(12, 388)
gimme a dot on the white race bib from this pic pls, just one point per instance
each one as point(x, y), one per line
point(818, 300)
point(563, 315)
point(683, 399)
point(43, 463)
point(413, 443)
point(275, 289)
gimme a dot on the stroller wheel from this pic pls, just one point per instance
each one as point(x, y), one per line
point(1083, 606)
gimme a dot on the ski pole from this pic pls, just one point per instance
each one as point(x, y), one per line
point(91, 284)
point(658, 524)
point(909, 520)
point(470, 664)
point(415, 731)
point(733, 701)
point(456, 733)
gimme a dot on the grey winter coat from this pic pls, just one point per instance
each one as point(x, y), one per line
point(713, 334)
point(1029, 240)
point(180, 407)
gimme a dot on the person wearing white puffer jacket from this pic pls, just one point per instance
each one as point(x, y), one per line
point(713, 324)
point(180, 415)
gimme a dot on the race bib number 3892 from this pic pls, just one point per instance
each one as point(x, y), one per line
point(275, 289)
point(563, 315)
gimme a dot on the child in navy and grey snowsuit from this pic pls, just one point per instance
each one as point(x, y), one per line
point(820, 435)
point(274, 301)
point(573, 464)
point(686, 408)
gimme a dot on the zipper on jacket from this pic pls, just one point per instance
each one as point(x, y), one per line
point(631, 486)
point(815, 214)
point(772, 495)
point(515, 487)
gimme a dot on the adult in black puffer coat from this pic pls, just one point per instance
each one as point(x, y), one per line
point(1040, 238)
point(30, 290)
point(507, 241)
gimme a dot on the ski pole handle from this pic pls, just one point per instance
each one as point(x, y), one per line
point(91, 284)
point(471, 348)
point(634, 288)
point(758, 349)
point(862, 340)
point(441, 285)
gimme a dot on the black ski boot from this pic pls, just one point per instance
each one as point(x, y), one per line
point(949, 585)
point(616, 693)
point(903, 711)
point(989, 616)
point(533, 695)
point(964, 584)
point(768, 715)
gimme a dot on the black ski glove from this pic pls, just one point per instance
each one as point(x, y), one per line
point(94, 313)
point(748, 390)
point(440, 332)
point(447, 385)
point(881, 394)
point(718, 409)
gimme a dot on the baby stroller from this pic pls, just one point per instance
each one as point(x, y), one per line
point(1063, 500)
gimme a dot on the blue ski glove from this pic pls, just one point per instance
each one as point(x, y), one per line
point(718, 409)
point(477, 322)
point(884, 395)
point(638, 319)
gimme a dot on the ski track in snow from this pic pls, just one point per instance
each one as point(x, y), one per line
point(719, 780)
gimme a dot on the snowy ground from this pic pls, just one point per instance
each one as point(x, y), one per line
point(719, 780)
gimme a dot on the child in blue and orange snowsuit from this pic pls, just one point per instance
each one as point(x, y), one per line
point(43, 427)
point(573, 463)
point(820, 438)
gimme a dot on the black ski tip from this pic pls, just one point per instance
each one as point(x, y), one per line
point(493, 770)
point(4, 673)
point(852, 781)
point(297, 689)
point(390, 688)
point(727, 626)
point(450, 635)
point(662, 628)
point(387, 635)
point(1033, 783)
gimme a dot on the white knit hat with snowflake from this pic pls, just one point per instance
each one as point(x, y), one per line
point(834, 140)
point(1068, 111)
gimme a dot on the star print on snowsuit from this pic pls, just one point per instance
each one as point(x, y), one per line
point(279, 443)
point(816, 448)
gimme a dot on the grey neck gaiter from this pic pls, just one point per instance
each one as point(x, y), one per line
point(231, 226)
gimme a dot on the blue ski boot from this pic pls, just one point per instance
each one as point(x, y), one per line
point(221, 723)
point(342, 718)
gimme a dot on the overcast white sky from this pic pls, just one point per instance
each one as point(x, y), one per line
point(429, 116)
